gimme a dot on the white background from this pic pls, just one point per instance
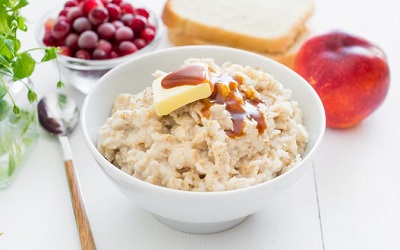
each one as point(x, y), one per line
point(350, 199)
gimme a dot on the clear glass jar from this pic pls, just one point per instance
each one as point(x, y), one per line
point(17, 134)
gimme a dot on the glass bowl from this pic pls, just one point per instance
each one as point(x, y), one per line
point(83, 74)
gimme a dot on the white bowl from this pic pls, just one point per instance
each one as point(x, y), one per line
point(197, 212)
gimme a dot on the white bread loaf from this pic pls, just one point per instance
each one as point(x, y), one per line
point(267, 26)
point(287, 57)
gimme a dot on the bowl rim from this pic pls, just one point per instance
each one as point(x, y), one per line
point(77, 63)
point(121, 174)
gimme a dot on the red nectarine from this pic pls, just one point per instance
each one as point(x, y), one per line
point(349, 73)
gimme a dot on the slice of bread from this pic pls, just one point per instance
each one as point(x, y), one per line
point(269, 26)
point(287, 57)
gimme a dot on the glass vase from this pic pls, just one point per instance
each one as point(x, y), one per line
point(18, 134)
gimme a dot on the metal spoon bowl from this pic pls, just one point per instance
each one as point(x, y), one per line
point(59, 115)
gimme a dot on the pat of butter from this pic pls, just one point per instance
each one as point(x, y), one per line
point(167, 100)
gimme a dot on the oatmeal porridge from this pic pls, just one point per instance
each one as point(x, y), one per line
point(246, 132)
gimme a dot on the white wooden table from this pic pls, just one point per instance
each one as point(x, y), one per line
point(350, 199)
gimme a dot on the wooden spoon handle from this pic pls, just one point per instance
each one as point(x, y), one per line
point(85, 233)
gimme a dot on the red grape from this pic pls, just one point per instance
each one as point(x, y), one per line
point(71, 41)
point(64, 50)
point(88, 40)
point(142, 12)
point(139, 42)
point(60, 29)
point(82, 54)
point(127, 18)
point(88, 5)
point(114, 54)
point(71, 3)
point(48, 39)
point(99, 54)
point(74, 13)
point(127, 8)
point(137, 24)
point(117, 2)
point(117, 24)
point(127, 47)
point(98, 15)
point(63, 18)
point(123, 34)
point(114, 11)
point(81, 24)
point(106, 31)
point(105, 45)
point(63, 12)
point(148, 34)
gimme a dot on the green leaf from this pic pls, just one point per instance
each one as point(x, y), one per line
point(5, 67)
point(60, 84)
point(23, 66)
point(50, 54)
point(21, 24)
point(16, 111)
point(17, 45)
point(6, 47)
point(32, 97)
point(21, 4)
point(13, 23)
point(4, 108)
point(6, 71)
point(3, 61)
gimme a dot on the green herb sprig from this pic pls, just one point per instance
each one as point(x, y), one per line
point(15, 64)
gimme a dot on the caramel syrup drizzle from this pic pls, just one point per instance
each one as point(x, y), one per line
point(240, 100)
point(193, 74)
